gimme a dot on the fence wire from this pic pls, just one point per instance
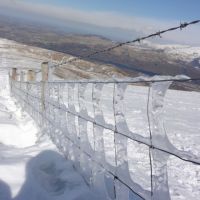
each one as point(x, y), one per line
point(62, 114)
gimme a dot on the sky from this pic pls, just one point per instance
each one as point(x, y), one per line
point(171, 9)
point(121, 19)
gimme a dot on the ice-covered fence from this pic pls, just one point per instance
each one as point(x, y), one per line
point(4, 82)
point(128, 138)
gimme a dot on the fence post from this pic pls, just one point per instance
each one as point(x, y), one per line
point(45, 75)
point(21, 76)
point(14, 74)
point(31, 75)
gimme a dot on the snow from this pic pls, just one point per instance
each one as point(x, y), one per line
point(176, 51)
point(174, 123)
point(31, 168)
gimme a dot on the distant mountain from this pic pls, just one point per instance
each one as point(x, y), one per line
point(149, 59)
point(182, 52)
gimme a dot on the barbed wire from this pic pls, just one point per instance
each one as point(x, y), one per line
point(158, 33)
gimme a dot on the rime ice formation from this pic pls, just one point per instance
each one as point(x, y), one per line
point(127, 148)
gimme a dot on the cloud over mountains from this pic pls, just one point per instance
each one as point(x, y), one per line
point(117, 24)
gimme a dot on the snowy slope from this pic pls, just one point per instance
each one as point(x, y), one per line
point(51, 177)
point(13, 54)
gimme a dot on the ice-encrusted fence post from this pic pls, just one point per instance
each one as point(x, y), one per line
point(124, 184)
point(120, 142)
point(74, 146)
point(98, 119)
point(58, 114)
point(30, 78)
point(158, 138)
point(85, 161)
point(45, 73)
point(63, 106)
point(13, 78)
point(22, 76)
point(61, 100)
point(99, 154)
point(14, 74)
point(31, 75)
point(26, 96)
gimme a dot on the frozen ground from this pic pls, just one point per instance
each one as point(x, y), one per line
point(31, 168)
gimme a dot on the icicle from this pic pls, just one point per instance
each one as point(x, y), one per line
point(123, 172)
point(57, 93)
point(81, 94)
point(71, 124)
point(83, 133)
point(160, 177)
point(72, 134)
point(99, 157)
point(99, 181)
point(63, 120)
point(86, 166)
point(71, 105)
point(99, 144)
point(119, 108)
point(121, 157)
point(99, 154)
point(54, 93)
point(50, 73)
point(120, 142)
point(64, 96)
point(156, 103)
point(98, 114)
point(56, 117)
point(47, 91)
point(84, 141)
point(159, 138)
point(122, 192)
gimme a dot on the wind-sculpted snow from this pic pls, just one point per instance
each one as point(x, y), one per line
point(131, 139)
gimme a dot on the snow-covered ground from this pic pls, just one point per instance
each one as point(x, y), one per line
point(24, 57)
point(175, 128)
point(180, 118)
point(179, 52)
point(31, 168)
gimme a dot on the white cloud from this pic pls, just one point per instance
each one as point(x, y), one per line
point(105, 19)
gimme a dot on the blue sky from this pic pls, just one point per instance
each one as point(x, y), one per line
point(164, 9)
point(121, 19)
